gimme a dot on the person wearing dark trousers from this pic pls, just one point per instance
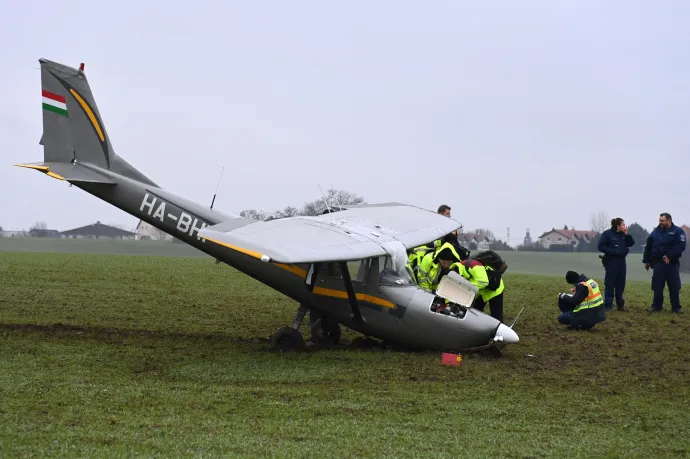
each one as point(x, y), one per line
point(615, 244)
point(583, 308)
point(665, 245)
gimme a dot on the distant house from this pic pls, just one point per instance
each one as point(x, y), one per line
point(147, 231)
point(98, 231)
point(566, 237)
point(471, 240)
point(14, 233)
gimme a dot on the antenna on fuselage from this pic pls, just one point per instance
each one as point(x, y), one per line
point(516, 317)
point(325, 201)
point(337, 201)
point(214, 194)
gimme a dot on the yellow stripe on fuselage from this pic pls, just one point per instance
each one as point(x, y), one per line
point(293, 269)
point(251, 253)
point(360, 296)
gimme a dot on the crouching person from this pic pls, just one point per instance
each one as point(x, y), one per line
point(585, 307)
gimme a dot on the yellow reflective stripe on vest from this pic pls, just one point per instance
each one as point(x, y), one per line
point(593, 299)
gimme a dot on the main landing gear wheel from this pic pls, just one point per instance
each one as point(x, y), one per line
point(287, 339)
point(325, 331)
point(290, 338)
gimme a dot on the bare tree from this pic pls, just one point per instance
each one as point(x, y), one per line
point(333, 198)
point(39, 226)
point(289, 211)
point(316, 207)
point(254, 214)
point(599, 221)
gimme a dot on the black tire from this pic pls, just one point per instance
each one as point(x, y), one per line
point(325, 332)
point(287, 339)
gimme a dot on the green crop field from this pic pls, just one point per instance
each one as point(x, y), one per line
point(119, 356)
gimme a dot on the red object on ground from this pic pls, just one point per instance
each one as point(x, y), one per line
point(451, 359)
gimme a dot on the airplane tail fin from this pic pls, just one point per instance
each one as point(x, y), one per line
point(75, 142)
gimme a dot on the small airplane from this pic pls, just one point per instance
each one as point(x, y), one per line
point(345, 267)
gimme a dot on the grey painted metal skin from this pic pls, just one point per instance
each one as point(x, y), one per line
point(281, 254)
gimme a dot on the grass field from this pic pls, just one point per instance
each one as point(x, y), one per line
point(116, 355)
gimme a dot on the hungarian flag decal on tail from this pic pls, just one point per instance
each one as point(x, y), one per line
point(54, 103)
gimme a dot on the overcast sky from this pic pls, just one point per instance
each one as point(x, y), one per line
point(565, 107)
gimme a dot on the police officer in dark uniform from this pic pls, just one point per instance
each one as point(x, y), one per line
point(665, 246)
point(615, 244)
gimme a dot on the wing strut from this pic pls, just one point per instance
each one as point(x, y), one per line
point(350, 291)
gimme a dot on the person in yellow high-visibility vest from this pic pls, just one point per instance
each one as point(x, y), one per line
point(584, 307)
point(485, 271)
point(435, 265)
point(416, 256)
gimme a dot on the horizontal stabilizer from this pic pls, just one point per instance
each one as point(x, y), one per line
point(347, 235)
point(71, 172)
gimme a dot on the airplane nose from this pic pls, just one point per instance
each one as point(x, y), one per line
point(509, 336)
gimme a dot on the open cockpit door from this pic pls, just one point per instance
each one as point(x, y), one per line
point(453, 287)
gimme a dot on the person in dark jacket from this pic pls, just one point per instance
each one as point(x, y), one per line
point(584, 308)
point(615, 243)
point(665, 245)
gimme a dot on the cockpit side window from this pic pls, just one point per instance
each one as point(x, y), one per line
point(390, 276)
point(359, 270)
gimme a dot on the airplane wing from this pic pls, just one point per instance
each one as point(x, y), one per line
point(351, 234)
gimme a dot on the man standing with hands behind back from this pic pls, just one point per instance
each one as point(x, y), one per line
point(615, 243)
point(665, 245)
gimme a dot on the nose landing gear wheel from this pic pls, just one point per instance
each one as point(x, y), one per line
point(325, 332)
